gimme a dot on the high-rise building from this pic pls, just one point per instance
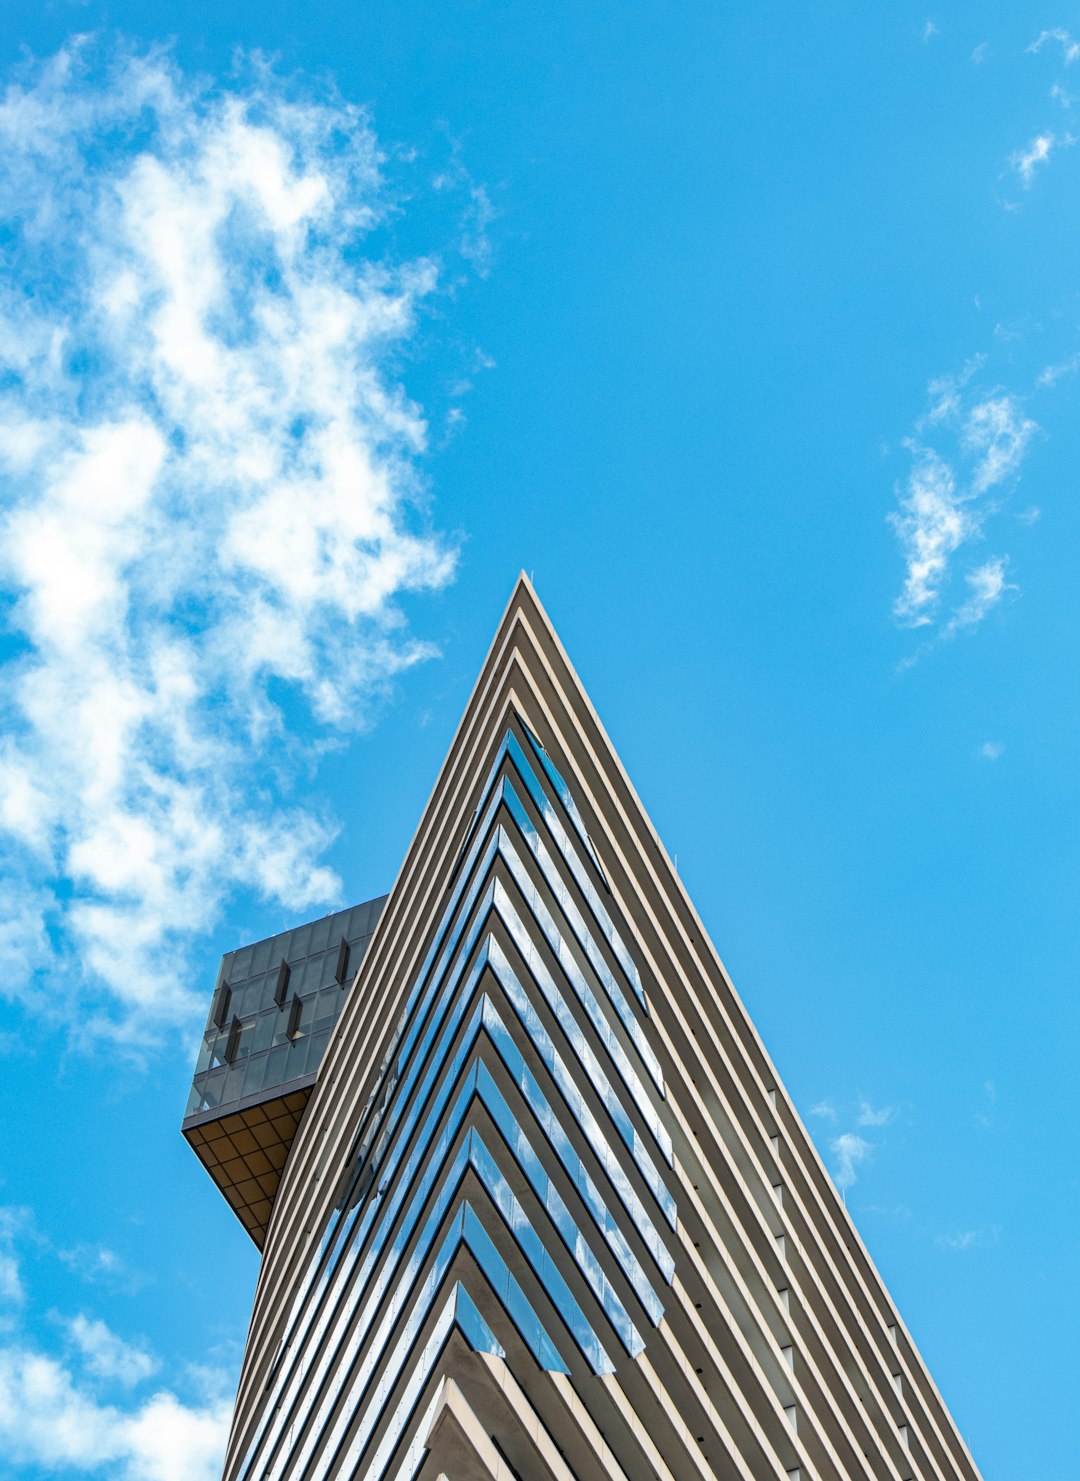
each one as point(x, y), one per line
point(532, 1200)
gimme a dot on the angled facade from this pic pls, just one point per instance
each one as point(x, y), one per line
point(547, 1211)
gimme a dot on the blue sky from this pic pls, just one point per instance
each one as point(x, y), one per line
point(754, 333)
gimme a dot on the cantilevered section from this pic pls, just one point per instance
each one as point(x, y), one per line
point(549, 1212)
point(273, 1010)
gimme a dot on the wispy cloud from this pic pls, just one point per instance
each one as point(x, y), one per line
point(210, 503)
point(1028, 160)
point(869, 1115)
point(985, 1117)
point(107, 1356)
point(13, 1221)
point(986, 587)
point(11, 1289)
point(970, 1239)
point(1070, 49)
point(98, 1265)
point(991, 751)
point(929, 31)
point(478, 213)
point(966, 452)
point(1051, 374)
point(850, 1152)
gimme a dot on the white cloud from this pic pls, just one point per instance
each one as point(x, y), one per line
point(929, 30)
point(991, 750)
point(1070, 48)
point(996, 432)
point(850, 1151)
point(978, 56)
point(109, 1357)
point(1037, 153)
point(11, 1289)
point(209, 502)
point(869, 1115)
point(167, 1440)
point(59, 1416)
point(13, 1222)
point(48, 1420)
point(967, 451)
point(931, 526)
point(986, 585)
point(826, 1110)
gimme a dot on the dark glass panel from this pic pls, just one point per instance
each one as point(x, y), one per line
point(255, 1076)
point(320, 933)
point(317, 1048)
point(300, 944)
point(263, 1033)
point(240, 965)
point(298, 1059)
point(212, 1087)
point(326, 1007)
point(276, 1063)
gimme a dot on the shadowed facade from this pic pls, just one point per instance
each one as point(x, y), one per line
point(548, 1211)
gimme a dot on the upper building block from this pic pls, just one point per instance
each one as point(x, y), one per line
point(270, 1020)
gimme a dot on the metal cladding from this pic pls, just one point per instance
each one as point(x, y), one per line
point(549, 1211)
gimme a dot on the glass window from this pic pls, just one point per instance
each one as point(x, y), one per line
point(326, 1006)
point(262, 1035)
point(320, 933)
point(234, 1084)
point(306, 977)
point(211, 1087)
point(239, 963)
point(245, 1000)
point(317, 1048)
point(276, 1062)
point(296, 1064)
point(244, 1039)
point(255, 1077)
point(300, 944)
